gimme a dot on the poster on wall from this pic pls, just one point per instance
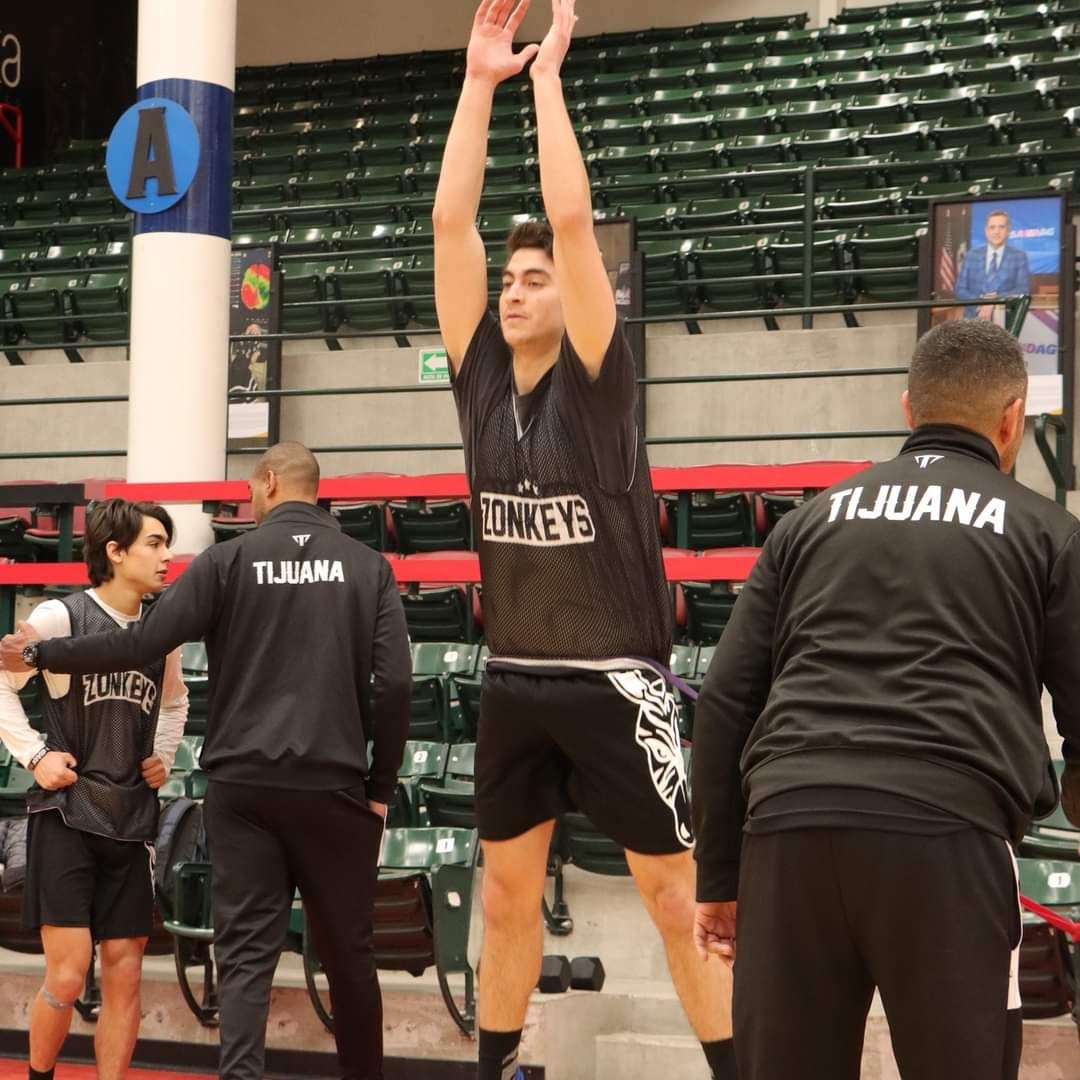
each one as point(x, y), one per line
point(988, 248)
point(254, 362)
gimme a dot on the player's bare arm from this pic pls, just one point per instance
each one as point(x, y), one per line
point(587, 299)
point(461, 292)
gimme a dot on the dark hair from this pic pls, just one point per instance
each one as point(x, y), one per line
point(965, 372)
point(119, 520)
point(531, 234)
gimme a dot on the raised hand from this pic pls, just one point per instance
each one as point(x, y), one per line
point(11, 648)
point(556, 43)
point(491, 53)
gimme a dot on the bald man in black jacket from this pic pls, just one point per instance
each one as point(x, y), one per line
point(309, 662)
point(869, 743)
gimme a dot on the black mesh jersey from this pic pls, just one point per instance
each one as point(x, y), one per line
point(107, 722)
point(564, 513)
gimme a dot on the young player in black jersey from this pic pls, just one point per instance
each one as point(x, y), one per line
point(576, 608)
point(109, 743)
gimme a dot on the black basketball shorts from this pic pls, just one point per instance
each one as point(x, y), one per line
point(604, 743)
point(77, 879)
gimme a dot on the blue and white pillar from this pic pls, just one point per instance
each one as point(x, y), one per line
point(177, 413)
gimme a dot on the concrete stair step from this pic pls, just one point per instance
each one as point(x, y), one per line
point(630, 1055)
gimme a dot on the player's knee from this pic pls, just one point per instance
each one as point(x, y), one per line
point(503, 901)
point(122, 967)
point(63, 985)
point(672, 908)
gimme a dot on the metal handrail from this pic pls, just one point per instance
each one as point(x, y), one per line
point(1051, 458)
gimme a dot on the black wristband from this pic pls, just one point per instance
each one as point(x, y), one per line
point(33, 763)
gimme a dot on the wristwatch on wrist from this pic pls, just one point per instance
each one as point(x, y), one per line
point(30, 654)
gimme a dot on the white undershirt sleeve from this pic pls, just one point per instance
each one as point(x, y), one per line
point(50, 619)
point(172, 717)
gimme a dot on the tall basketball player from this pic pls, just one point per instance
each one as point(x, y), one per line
point(109, 742)
point(576, 607)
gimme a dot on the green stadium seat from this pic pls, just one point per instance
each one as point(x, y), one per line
point(879, 109)
point(1026, 16)
point(753, 120)
point(800, 42)
point(825, 144)
point(1044, 39)
point(898, 31)
point(912, 78)
point(708, 609)
point(879, 247)
point(767, 178)
point(949, 106)
point(724, 257)
point(35, 209)
point(774, 506)
point(616, 106)
point(1051, 125)
point(417, 277)
point(810, 116)
point(438, 614)
point(363, 291)
point(898, 138)
point(751, 149)
point(919, 53)
point(1024, 185)
point(848, 84)
point(1005, 161)
point(716, 520)
point(782, 91)
point(582, 845)
point(961, 23)
point(432, 526)
point(365, 522)
point(304, 283)
point(624, 161)
point(421, 760)
point(21, 258)
point(845, 36)
point(767, 68)
point(1023, 97)
point(711, 213)
point(668, 290)
point(962, 46)
point(777, 209)
point(720, 96)
point(17, 783)
point(694, 154)
point(43, 297)
point(269, 168)
point(787, 252)
point(676, 127)
point(322, 187)
point(1050, 64)
point(921, 195)
point(924, 166)
point(101, 303)
point(872, 202)
point(977, 131)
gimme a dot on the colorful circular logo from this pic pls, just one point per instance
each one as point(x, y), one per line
point(255, 287)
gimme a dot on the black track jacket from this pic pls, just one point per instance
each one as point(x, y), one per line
point(895, 636)
point(302, 624)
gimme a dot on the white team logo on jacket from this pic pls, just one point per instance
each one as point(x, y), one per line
point(657, 733)
point(550, 522)
point(900, 502)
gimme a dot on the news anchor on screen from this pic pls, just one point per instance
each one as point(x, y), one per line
point(992, 270)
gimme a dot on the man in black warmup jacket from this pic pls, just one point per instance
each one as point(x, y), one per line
point(871, 722)
point(309, 661)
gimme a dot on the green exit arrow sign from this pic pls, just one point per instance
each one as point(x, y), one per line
point(434, 366)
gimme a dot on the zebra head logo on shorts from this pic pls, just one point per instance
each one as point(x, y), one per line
point(657, 733)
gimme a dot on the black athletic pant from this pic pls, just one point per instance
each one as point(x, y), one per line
point(825, 915)
point(264, 842)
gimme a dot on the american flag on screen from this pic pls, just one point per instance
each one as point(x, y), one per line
point(947, 259)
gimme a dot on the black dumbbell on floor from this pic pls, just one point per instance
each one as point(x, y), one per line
point(558, 974)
